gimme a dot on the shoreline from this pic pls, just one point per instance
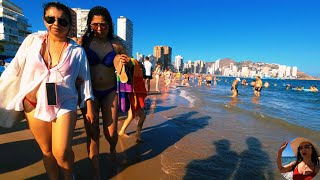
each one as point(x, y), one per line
point(177, 137)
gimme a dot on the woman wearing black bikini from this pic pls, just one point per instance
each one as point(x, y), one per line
point(101, 49)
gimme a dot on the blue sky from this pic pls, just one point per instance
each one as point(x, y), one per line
point(273, 31)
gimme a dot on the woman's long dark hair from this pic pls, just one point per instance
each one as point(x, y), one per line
point(98, 11)
point(314, 157)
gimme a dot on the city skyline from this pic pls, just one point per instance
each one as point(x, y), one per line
point(283, 32)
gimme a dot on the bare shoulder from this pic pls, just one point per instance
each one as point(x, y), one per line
point(118, 46)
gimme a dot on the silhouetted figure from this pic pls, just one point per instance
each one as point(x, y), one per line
point(220, 166)
point(254, 162)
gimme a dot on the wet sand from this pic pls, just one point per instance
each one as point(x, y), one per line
point(181, 141)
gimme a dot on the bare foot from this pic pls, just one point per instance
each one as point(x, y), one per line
point(123, 134)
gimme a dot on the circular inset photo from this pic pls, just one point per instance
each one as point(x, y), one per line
point(298, 159)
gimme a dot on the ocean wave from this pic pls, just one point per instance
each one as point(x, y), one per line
point(188, 97)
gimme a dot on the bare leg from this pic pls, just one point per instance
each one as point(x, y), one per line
point(42, 132)
point(157, 83)
point(148, 84)
point(62, 134)
point(109, 109)
point(142, 116)
point(126, 123)
point(93, 136)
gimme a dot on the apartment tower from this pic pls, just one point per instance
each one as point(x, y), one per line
point(14, 27)
point(79, 21)
point(163, 55)
point(125, 33)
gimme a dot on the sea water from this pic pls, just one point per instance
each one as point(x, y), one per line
point(230, 138)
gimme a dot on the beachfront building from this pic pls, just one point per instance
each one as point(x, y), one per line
point(294, 71)
point(274, 73)
point(140, 57)
point(265, 71)
point(288, 72)
point(187, 67)
point(163, 55)
point(79, 21)
point(216, 65)
point(245, 71)
point(210, 69)
point(14, 27)
point(281, 71)
point(125, 32)
point(178, 62)
point(199, 67)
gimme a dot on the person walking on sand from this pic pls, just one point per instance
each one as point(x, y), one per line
point(52, 63)
point(148, 72)
point(234, 87)
point(257, 86)
point(137, 100)
point(157, 73)
point(106, 55)
point(306, 165)
point(167, 76)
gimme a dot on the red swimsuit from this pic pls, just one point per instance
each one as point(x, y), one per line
point(298, 176)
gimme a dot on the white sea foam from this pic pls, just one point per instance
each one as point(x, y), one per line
point(188, 97)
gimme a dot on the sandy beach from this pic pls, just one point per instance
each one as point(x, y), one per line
point(181, 141)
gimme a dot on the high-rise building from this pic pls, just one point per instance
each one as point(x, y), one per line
point(14, 27)
point(288, 71)
point(163, 55)
point(294, 71)
point(125, 32)
point(79, 21)
point(140, 57)
point(178, 62)
point(281, 71)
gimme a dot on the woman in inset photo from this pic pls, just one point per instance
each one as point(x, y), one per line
point(306, 165)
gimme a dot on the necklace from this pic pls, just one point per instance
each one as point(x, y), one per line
point(49, 54)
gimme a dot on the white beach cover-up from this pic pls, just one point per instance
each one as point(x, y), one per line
point(73, 64)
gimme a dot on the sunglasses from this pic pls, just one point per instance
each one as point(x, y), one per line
point(61, 21)
point(103, 26)
point(307, 146)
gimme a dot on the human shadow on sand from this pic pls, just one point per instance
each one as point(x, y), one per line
point(19, 154)
point(254, 162)
point(20, 126)
point(156, 140)
point(220, 166)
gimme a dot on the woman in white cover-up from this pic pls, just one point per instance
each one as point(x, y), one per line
point(52, 58)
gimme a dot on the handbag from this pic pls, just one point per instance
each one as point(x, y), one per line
point(9, 89)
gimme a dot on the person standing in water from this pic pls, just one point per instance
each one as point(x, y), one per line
point(257, 86)
point(234, 87)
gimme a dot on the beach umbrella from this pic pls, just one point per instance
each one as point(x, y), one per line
point(8, 60)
